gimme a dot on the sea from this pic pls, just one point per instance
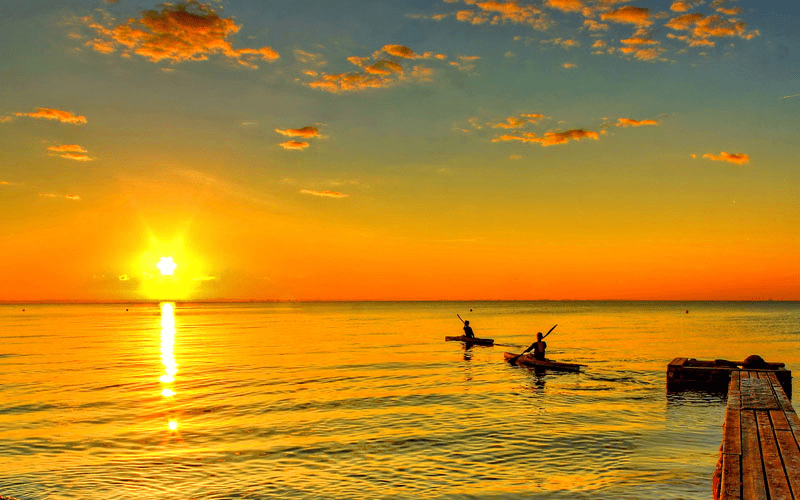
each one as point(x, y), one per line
point(366, 400)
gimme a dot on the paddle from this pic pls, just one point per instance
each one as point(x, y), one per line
point(515, 358)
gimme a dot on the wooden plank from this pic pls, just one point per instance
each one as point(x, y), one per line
point(790, 454)
point(732, 433)
point(758, 394)
point(780, 394)
point(734, 391)
point(777, 484)
point(744, 374)
point(678, 362)
point(779, 420)
point(731, 487)
point(753, 485)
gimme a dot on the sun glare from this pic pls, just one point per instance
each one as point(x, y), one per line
point(167, 266)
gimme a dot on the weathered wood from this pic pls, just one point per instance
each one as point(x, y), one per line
point(753, 484)
point(780, 395)
point(779, 420)
point(757, 393)
point(732, 433)
point(777, 484)
point(734, 391)
point(731, 484)
point(790, 454)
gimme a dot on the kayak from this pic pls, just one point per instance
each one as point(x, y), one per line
point(529, 360)
point(471, 340)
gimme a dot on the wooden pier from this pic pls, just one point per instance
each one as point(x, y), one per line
point(760, 456)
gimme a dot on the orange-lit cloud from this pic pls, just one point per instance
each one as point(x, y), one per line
point(71, 152)
point(296, 145)
point(73, 197)
point(383, 69)
point(566, 5)
point(496, 12)
point(702, 27)
point(680, 6)
point(76, 156)
point(550, 138)
point(186, 31)
point(325, 194)
point(569, 65)
point(630, 122)
point(737, 158)
point(306, 132)
point(400, 51)
point(72, 148)
point(55, 114)
point(638, 16)
point(510, 123)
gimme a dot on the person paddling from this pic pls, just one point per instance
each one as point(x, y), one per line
point(539, 347)
point(468, 330)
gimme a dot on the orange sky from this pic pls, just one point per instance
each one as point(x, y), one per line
point(423, 150)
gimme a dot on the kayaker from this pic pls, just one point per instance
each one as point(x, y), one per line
point(539, 347)
point(468, 330)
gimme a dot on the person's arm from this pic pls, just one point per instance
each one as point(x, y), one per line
point(529, 348)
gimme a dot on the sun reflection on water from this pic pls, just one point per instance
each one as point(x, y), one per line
point(168, 354)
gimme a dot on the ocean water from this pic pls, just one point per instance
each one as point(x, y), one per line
point(366, 400)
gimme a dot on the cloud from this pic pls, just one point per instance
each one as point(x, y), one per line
point(296, 145)
point(510, 123)
point(306, 132)
point(680, 6)
point(71, 152)
point(638, 16)
point(569, 65)
point(186, 31)
point(630, 122)
point(737, 158)
point(550, 138)
point(325, 194)
point(76, 157)
point(6, 119)
point(400, 51)
point(566, 5)
point(55, 114)
point(72, 197)
point(381, 70)
point(73, 148)
point(702, 27)
point(495, 12)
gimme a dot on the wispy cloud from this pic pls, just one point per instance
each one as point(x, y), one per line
point(325, 193)
point(73, 148)
point(737, 158)
point(71, 152)
point(186, 31)
point(72, 197)
point(638, 16)
point(549, 138)
point(384, 68)
point(630, 122)
point(307, 132)
point(55, 114)
point(295, 145)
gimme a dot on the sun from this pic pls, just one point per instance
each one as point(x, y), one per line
point(167, 266)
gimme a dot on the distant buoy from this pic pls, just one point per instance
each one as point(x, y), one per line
point(687, 311)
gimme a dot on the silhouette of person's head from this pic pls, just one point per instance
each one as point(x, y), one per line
point(539, 336)
point(466, 322)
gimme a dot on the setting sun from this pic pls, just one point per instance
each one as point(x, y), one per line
point(167, 266)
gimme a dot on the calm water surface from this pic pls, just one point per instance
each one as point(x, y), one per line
point(366, 400)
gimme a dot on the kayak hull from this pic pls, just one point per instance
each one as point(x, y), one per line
point(529, 360)
point(472, 340)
